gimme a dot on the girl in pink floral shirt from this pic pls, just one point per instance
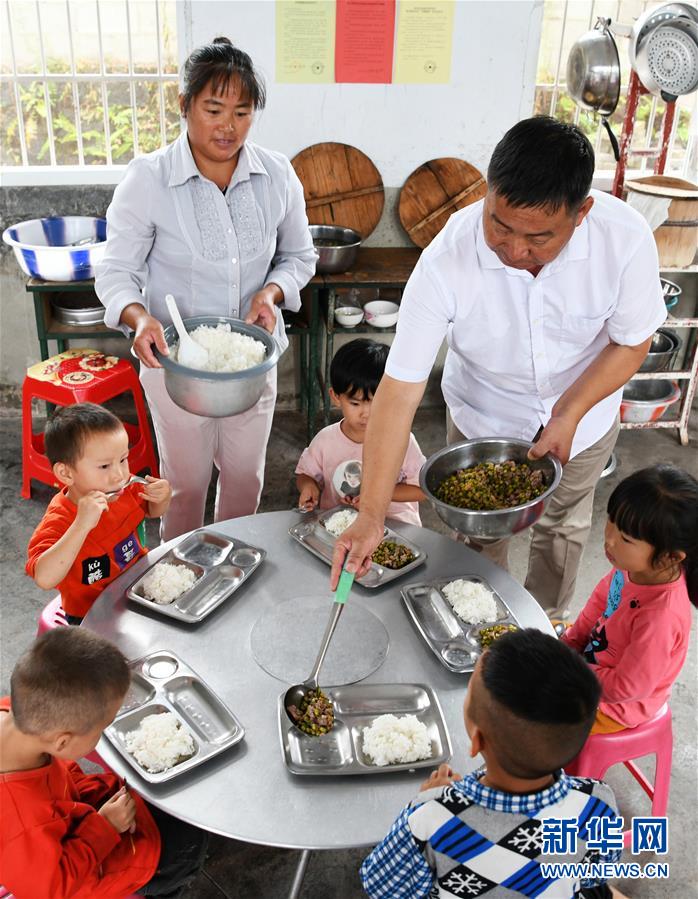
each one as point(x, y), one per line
point(635, 627)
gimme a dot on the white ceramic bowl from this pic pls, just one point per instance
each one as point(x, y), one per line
point(60, 248)
point(381, 313)
point(348, 316)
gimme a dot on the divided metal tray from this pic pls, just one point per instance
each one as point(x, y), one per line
point(356, 706)
point(162, 682)
point(314, 536)
point(455, 643)
point(221, 565)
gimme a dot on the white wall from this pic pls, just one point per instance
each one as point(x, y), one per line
point(495, 48)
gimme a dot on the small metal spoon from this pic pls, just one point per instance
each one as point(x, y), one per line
point(295, 694)
point(134, 479)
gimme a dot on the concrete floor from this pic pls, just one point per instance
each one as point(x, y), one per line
point(242, 871)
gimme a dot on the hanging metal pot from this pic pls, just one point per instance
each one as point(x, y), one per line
point(593, 74)
point(664, 50)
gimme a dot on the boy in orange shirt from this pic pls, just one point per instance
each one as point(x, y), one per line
point(65, 833)
point(89, 533)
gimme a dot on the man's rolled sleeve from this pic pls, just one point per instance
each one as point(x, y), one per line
point(640, 309)
point(294, 262)
point(122, 272)
point(425, 314)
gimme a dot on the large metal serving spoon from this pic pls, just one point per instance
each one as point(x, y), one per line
point(295, 694)
point(189, 353)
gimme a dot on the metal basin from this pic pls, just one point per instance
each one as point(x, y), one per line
point(664, 345)
point(336, 248)
point(77, 310)
point(501, 522)
point(215, 394)
point(647, 400)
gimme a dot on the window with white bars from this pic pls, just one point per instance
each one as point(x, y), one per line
point(86, 82)
point(564, 21)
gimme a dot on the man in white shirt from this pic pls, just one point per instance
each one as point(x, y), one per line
point(548, 296)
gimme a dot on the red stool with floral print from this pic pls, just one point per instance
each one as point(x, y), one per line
point(81, 376)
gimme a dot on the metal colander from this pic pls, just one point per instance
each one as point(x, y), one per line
point(672, 57)
point(664, 50)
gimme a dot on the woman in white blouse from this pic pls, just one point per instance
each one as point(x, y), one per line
point(220, 223)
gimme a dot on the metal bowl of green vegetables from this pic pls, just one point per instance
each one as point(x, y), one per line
point(492, 487)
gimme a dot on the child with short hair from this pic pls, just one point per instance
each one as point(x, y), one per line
point(528, 709)
point(635, 627)
point(329, 470)
point(65, 833)
point(89, 533)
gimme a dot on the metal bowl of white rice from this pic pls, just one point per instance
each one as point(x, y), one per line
point(218, 394)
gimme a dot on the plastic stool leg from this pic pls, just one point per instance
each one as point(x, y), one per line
point(662, 778)
point(26, 491)
point(144, 427)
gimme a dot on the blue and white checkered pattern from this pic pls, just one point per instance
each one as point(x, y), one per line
point(471, 840)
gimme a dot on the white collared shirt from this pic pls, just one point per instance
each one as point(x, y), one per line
point(515, 342)
point(171, 230)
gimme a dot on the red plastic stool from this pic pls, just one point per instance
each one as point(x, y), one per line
point(81, 376)
point(654, 737)
point(51, 616)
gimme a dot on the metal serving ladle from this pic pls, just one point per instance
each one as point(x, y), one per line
point(295, 694)
point(134, 479)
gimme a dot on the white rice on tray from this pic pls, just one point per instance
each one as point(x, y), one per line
point(391, 740)
point(159, 742)
point(472, 602)
point(338, 523)
point(227, 349)
point(165, 582)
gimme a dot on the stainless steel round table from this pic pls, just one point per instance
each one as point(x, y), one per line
point(247, 793)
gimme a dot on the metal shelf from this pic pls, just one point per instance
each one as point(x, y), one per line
point(687, 375)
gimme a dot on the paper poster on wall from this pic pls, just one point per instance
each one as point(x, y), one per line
point(423, 45)
point(305, 41)
point(364, 41)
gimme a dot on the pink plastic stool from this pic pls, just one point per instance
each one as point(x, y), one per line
point(654, 737)
point(51, 616)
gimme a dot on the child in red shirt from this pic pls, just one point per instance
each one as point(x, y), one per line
point(635, 627)
point(89, 534)
point(65, 833)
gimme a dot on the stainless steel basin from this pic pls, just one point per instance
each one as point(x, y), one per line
point(215, 394)
point(501, 522)
point(336, 247)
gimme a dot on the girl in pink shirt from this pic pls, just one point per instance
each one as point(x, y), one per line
point(635, 627)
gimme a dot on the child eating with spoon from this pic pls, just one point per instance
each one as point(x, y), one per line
point(89, 533)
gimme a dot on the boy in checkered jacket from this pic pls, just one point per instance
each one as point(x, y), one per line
point(528, 710)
